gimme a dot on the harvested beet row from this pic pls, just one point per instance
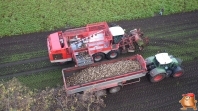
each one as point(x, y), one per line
point(102, 71)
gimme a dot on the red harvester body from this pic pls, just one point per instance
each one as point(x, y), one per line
point(92, 43)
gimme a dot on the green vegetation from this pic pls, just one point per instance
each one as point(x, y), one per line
point(40, 80)
point(15, 96)
point(23, 56)
point(20, 17)
point(186, 54)
point(24, 67)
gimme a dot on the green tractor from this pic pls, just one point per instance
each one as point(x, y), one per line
point(163, 65)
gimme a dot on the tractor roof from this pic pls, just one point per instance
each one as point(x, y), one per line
point(117, 30)
point(163, 58)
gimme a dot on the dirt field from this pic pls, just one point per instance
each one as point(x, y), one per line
point(27, 54)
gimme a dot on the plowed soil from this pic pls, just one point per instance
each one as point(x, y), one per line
point(165, 32)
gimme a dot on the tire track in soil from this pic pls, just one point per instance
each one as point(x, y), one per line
point(169, 32)
point(24, 61)
point(159, 20)
point(29, 72)
point(33, 71)
point(171, 27)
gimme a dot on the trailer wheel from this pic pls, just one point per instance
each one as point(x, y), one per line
point(177, 72)
point(101, 93)
point(157, 77)
point(114, 89)
point(98, 57)
point(112, 54)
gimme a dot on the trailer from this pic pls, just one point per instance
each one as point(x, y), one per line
point(112, 83)
point(158, 67)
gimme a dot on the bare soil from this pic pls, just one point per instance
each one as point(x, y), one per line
point(143, 96)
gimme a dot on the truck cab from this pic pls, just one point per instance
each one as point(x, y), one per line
point(117, 33)
point(58, 50)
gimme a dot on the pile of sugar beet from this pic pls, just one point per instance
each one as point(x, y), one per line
point(102, 71)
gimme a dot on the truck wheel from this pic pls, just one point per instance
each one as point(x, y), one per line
point(157, 78)
point(98, 57)
point(177, 72)
point(112, 54)
point(114, 89)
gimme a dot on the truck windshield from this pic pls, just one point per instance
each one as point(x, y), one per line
point(117, 39)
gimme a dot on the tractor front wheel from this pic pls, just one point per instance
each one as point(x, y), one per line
point(157, 78)
point(177, 72)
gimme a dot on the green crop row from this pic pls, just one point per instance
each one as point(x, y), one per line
point(24, 67)
point(179, 34)
point(171, 29)
point(22, 56)
point(187, 51)
point(40, 80)
point(20, 17)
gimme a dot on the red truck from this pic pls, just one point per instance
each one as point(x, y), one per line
point(120, 76)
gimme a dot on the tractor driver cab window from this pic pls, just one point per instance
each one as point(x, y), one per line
point(117, 39)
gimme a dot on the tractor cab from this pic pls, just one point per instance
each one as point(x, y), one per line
point(162, 60)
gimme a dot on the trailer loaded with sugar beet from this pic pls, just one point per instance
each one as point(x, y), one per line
point(112, 75)
point(93, 43)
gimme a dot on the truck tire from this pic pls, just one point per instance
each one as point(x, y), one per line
point(177, 72)
point(114, 89)
point(112, 54)
point(98, 57)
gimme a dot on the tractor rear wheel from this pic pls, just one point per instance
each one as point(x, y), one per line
point(177, 72)
point(112, 54)
point(114, 89)
point(157, 77)
point(98, 57)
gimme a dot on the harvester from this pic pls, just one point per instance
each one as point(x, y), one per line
point(93, 43)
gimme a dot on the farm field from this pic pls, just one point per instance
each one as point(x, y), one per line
point(21, 17)
point(25, 57)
